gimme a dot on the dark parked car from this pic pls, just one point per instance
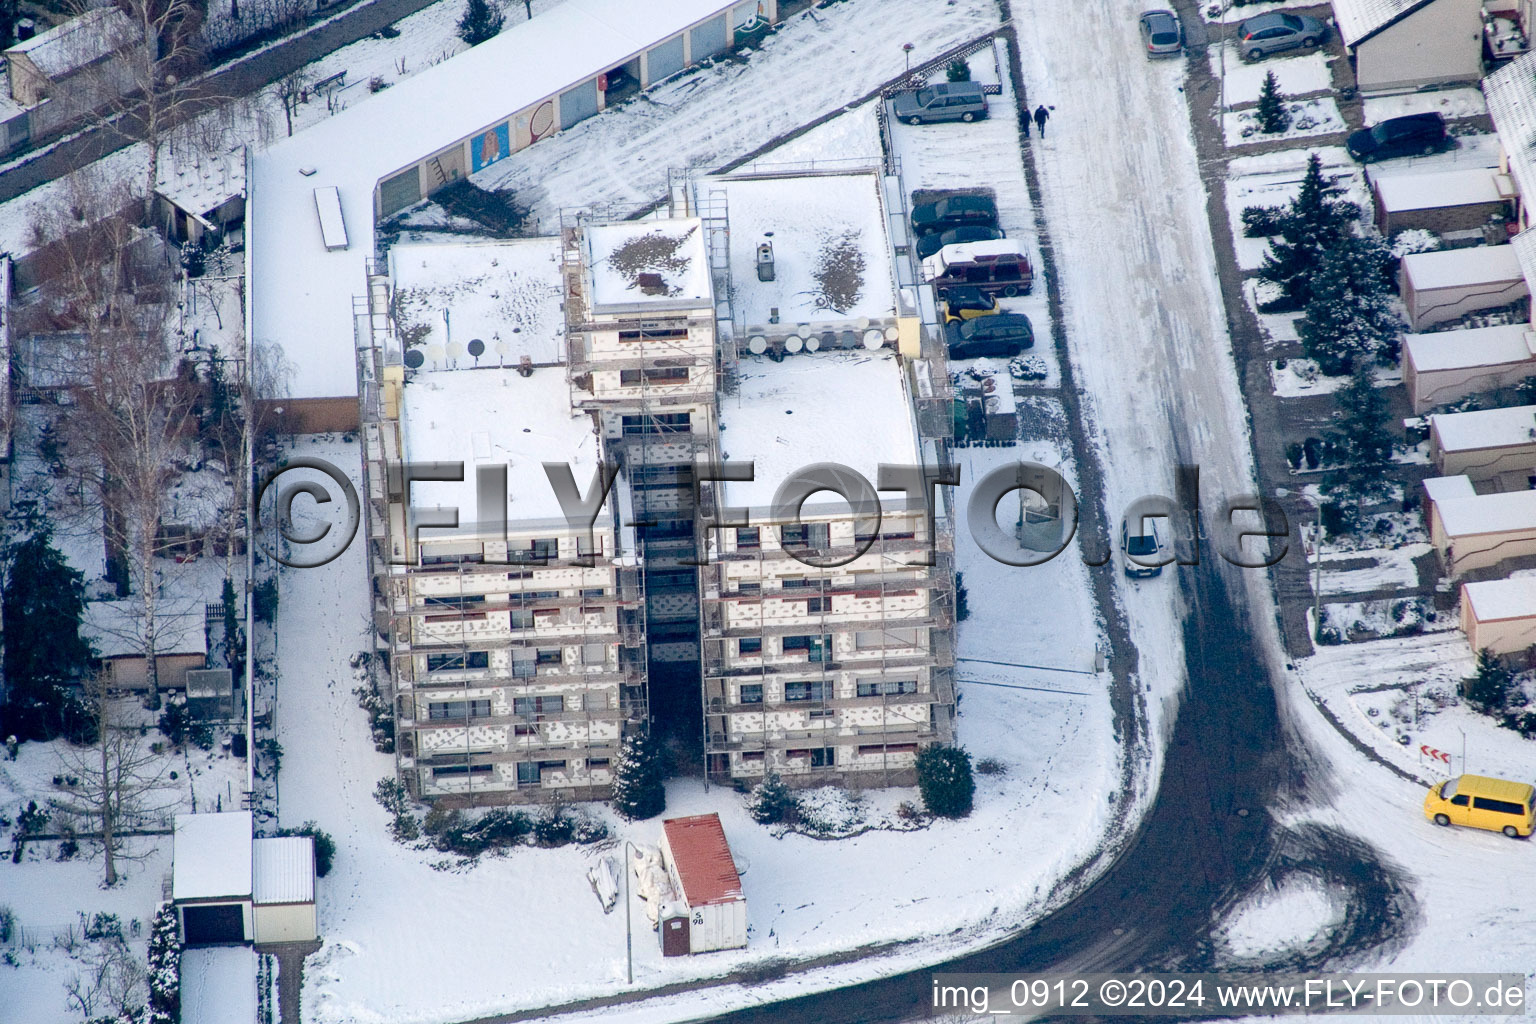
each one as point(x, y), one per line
point(1161, 33)
point(927, 245)
point(946, 101)
point(1002, 336)
point(1270, 33)
point(953, 212)
point(1401, 136)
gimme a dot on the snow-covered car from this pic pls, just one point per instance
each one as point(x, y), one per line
point(1145, 552)
point(1161, 33)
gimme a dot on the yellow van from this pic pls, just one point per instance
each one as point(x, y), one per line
point(1476, 800)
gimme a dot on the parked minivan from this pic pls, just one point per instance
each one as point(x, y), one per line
point(997, 267)
point(943, 101)
point(1399, 136)
point(1481, 802)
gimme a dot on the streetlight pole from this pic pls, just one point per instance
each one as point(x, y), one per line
point(1317, 586)
point(907, 48)
point(629, 941)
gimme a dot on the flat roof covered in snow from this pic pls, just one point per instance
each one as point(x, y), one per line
point(702, 859)
point(1461, 268)
point(1485, 428)
point(505, 293)
point(1449, 488)
point(218, 985)
point(1492, 600)
point(301, 294)
point(211, 855)
point(1509, 512)
point(831, 256)
point(283, 869)
point(659, 264)
point(1435, 190)
point(494, 417)
point(847, 408)
point(79, 41)
point(1472, 347)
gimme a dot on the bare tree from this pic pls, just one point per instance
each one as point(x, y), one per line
point(119, 780)
point(113, 981)
point(133, 411)
point(155, 82)
point(293, 89)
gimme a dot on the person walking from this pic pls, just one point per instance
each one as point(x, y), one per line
point(1041, 116)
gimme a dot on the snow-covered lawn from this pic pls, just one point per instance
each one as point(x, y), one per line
point(1308, 117)
point(1449, 103)
point(1390, 568)
point(1296, 74)
point(525, 929)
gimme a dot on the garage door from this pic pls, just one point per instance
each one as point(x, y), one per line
point(579, 103)
point(664, 61)
point(399, 192)
point(217, 922)
point(708, 39)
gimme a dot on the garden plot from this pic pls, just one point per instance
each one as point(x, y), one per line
point(1319, 116)
point(1364, 571)
point(1299, 377)
point(1274, 183)
point(1448, 103)
point(1354, 621)
point(1296, 75)
point(1375, 531)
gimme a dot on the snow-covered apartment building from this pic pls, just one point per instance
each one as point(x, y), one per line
point(757, 317)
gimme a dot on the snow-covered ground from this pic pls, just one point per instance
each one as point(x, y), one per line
point(1296, 74)
point(460, 959)
point(1449, 103)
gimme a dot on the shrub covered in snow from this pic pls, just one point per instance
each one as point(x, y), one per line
point(391, 795)
point(1405, 243)
point(771, 802)
point(164, 975)
point(944, 779)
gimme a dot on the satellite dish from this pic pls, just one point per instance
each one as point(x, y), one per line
point(757, 344)
point(435, 353)
point(501, 349)
point(414, 358)
point(862, 323)
point(453, 350)
point(813, 343)
point(873, 338)
point(804, 330)
point(477, 348)
point(847, 339)
point(892, 333)
point(794, 343)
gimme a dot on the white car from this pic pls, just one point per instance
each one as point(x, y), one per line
point(1143, 554)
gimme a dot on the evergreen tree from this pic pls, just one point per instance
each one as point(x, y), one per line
point(480, 22)
point(45, 656)
point(1363, 436)
point(638, 779)
point(1274, 118)
point(164, 973)
point(945, 781)
point(1350, 318)
point(771, 801)
point(958, 70)
point(1310, 226)
point(1488, 689)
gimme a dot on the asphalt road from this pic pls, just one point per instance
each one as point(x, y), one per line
point(240, 77)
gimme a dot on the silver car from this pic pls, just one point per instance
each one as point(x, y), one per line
point(1161, 33)
point(1270, 33)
